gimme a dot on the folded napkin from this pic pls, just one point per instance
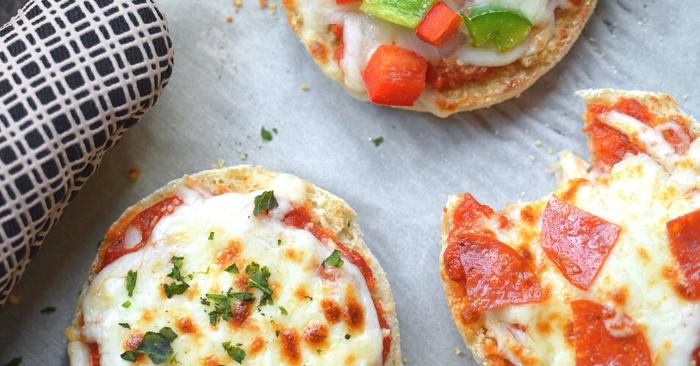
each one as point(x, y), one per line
point(74, 75)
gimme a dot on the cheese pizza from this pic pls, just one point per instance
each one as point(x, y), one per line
point(439, 56)
point(603, 271)
point(235, 266)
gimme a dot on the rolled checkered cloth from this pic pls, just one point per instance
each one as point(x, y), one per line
point(74, 75)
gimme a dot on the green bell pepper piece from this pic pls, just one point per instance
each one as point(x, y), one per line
point(506, 27)
point(407, 13)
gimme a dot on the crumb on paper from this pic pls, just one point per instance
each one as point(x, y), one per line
point(237, 3)
point(532, 157)
point(404, 359)
point(13, 299)
point(304, 87)
point(263, 3)
point(458, 351)
point(273, 8)
point(219, 164)
point(229, 19)
point(550, 151)
point(133, 174)
point(538, 143)
point(243, 156)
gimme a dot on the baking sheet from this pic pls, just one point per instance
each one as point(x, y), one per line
point(231, 79)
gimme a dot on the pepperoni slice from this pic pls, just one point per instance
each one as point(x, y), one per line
point(472, 216)
point(609, 146)
point(494, 274)
point(576, 241)
point(94, 354)
point(470, 213)
point(144, 222)
point(604, 336)
point(684, 234)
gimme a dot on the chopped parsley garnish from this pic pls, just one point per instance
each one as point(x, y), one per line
point(131, 282)
point(263, 202)
point(242, 296)
point(211, 235)
point(309, 298)
point(258, 278)
point(222, 304)
point(125, 325)
point(377, 141)
point(48, 310)
point(232, 268)
point(347, 336)
point(179, 286)
point(126, 304)
point(236, 353)
point(265, 134)
point(222, 307)
point(157, 346)
point(334, 259)
point(14, 362)
point(283, 310)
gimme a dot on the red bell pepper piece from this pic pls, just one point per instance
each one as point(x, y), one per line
point(341, 2)
point(438, 25)
point(395, 76)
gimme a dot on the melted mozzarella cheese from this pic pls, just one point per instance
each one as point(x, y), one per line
point(362, 34)
point(640, 195)
point(293, 257)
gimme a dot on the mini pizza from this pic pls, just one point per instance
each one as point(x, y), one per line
point(235, 266)
point(438, 56)
point(603, 271)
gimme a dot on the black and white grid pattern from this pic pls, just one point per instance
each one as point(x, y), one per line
point(74, 75)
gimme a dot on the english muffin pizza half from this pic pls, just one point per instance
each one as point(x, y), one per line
point(235, 266)
point(438, 56)
point(603, 271)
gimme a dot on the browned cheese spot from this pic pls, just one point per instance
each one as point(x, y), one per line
point(643, 254)
point(619, 296)
point(227, 255)
point(185, 325)
point(570, 194)
point(318, 51)
point(256, 346)
point(543, 326)
point(147, 315)
point(292, 254)
point(350, 360)
point(301, 293)
point(241, 282)
point(331, 310)
point(315, 335)
point(210, 361)
point(289, 346)
point(528, 215)
point(353, 313)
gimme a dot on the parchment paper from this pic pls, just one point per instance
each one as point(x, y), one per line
point(233, 78)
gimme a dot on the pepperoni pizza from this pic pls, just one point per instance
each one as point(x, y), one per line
point(603, 271)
